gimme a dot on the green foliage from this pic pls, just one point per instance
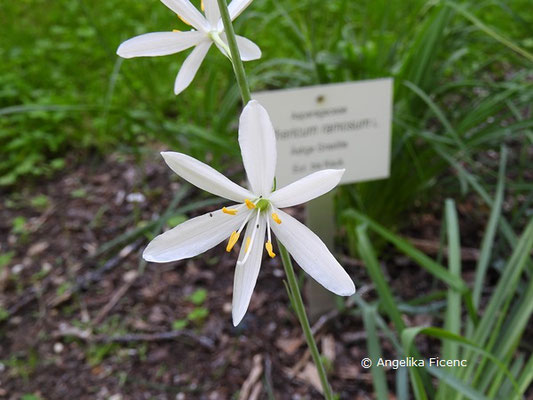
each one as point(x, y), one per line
point(63, 288)
point(176, 220)
point(4, 314)
point(98, 352)
point(79, 193)
point(40, 202)
point(198, 297)
point(198, 314)
point(179, 324)
point(489, 339)
point(461, 90)
point(21, 365)
point(19, 226)
point(5, 259)
point(461, 85)
point(31, 397)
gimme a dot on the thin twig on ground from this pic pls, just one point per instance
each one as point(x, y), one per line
point(86, 335)
point(115, 298)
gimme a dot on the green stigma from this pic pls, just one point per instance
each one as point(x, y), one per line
point(262, 204)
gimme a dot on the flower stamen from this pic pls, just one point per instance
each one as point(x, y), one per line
point(230, 211)
point(268, 244)
point(232, 240)
point(275, 217)
point(268, 247)
point(249, 204)
point(183, 19)
point(247, 245)
point(250, 244)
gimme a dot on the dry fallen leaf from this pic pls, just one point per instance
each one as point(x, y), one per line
point(290, 345)
point(253, 377)
point(328, 348)
point(348, 372)
point(256, 391)
point(37, 248)
point(310, 375)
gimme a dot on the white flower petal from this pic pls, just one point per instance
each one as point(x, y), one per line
point(194, 236)
point(246, 274)
point(203, 176)
point(312, 255)
point(307, 188)
point(212, 12)
point(248, 50)
point(258, 147)
point(189, 13)
point(190, 66)
point(159, 44)
point(235, 8)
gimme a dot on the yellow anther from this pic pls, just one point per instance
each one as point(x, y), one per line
point(249, 204)
point(268, 247)
point(247, 245)
point(232, 240)
point(183, 19)
point(275, 217)
point(202, 5)
point(229, 211)
point(176, 30)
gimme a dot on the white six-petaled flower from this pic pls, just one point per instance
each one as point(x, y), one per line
point(258, 210)
point(207, 30)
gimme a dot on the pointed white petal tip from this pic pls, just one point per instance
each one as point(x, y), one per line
point(252, 103)
point(237, 320)
point(167, 155)
point(347, 290)
point(148, 257)
point(238, 315)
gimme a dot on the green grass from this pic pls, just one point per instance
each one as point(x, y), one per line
point(462, 92)
point(491, 338)
point(63, 87)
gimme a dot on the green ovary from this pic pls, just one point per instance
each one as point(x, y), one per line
point(262, 204)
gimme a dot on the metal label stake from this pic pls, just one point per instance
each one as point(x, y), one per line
point(320, 217)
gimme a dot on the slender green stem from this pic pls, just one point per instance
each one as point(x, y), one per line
point(299, 308)
point(294, 290)
point(235, 56)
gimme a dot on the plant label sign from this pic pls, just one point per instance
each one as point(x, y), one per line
point(341, 125)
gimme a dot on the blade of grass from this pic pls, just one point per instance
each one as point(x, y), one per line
point(490, 231)
point(374, 270)
point(405, 247)
point(452, 319)
point(514, 328)
point(367, 253)
point(409, 334)
point(489, 31)
point(452, 382)
point(526, 378)
point(438, 113)
point(493, 316)
point(374, 352)
point(507, 283)
point(506, 389)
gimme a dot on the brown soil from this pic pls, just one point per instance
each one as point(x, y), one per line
point(66, 307)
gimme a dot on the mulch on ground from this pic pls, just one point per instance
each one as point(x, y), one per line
point(80, 324)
